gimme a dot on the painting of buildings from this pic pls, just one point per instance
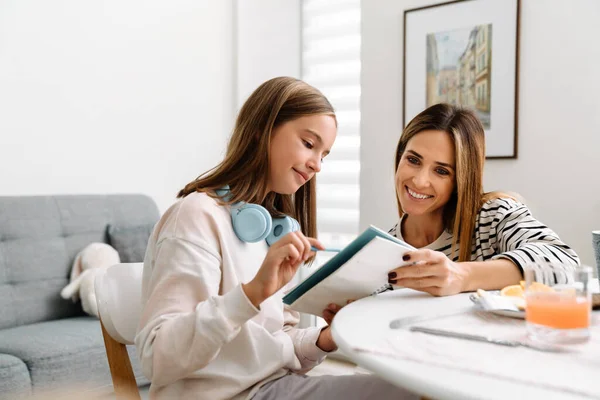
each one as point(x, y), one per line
point(459, 69)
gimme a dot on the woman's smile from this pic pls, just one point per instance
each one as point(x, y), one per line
point(417, 195)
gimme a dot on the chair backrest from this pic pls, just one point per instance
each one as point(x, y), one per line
point(119, 298)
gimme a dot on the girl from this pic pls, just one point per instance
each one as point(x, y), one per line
point(213, 324)
point(467, 239)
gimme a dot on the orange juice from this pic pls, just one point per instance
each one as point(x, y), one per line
point(556, 310)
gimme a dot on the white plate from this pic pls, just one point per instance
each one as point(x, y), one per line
point(505, 313)
point(508, 313)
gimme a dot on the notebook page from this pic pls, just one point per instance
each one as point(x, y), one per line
point(365, 273)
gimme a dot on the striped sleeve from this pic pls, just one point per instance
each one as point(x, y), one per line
point(517, 236)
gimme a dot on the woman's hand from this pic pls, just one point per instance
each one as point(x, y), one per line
point(280, 265)
point(432, 272)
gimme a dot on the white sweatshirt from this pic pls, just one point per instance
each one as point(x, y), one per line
point(199, 336)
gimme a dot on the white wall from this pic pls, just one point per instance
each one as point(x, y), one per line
point(113, 96)
point(559, 115)
point(268, 40)
point(268, 44)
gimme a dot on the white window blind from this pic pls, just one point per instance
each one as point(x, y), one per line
point(331, 62)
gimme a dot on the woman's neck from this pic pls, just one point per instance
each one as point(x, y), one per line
point(421, 230)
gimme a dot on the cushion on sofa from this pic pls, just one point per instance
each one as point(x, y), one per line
point(130, 242)
point(63, 353)
point(14, 378)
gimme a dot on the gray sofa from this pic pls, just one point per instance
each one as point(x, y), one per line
point(47, 343)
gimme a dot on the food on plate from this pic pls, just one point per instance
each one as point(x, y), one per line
point(539, 287)
point(519, 290)
point(513, 291)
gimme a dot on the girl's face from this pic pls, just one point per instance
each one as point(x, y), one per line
point(297, 151)
point(425, 177)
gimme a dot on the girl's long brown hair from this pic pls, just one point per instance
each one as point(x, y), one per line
point(465, 129)
point(245, 167)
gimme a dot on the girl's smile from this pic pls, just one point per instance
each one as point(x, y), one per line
point(303, 176)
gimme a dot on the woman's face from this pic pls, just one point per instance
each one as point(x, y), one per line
point(425, 177)
point(297, 151)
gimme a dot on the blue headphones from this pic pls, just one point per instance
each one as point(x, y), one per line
point(253, 223)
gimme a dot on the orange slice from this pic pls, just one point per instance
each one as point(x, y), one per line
point(539, 287)
point(513, 291)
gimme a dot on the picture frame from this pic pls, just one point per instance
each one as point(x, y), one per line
point(466, 52)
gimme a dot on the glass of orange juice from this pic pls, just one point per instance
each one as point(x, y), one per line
point(558, 313)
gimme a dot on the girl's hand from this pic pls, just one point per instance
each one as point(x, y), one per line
point(325, 341)
point(432, 272)
point(280, 265)
point(331, 310)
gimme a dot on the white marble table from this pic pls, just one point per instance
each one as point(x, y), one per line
point(360, 328)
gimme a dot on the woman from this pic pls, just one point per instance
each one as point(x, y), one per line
point(213, 324)
point(467, 239)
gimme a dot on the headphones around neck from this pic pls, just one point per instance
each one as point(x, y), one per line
point(253, 223)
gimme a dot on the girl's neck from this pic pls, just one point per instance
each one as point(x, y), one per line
point(422, 230)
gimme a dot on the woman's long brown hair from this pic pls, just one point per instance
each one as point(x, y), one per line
point(245, 167)
point(465, 129)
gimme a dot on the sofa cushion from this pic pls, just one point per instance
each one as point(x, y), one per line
point(130, 242)
point(64, 353)
point(14, 378)
point(39, 239)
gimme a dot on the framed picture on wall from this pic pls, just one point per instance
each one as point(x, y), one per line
point(466, 53)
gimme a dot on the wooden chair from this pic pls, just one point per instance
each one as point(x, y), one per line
point(118, 294)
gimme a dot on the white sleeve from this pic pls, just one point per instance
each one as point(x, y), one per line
point(184, 321)
point(305, 341)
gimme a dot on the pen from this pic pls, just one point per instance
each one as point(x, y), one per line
point(313, 248)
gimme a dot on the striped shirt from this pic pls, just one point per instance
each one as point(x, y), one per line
point(505, 228)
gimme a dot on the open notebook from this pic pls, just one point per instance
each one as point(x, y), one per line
point(359, 270)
